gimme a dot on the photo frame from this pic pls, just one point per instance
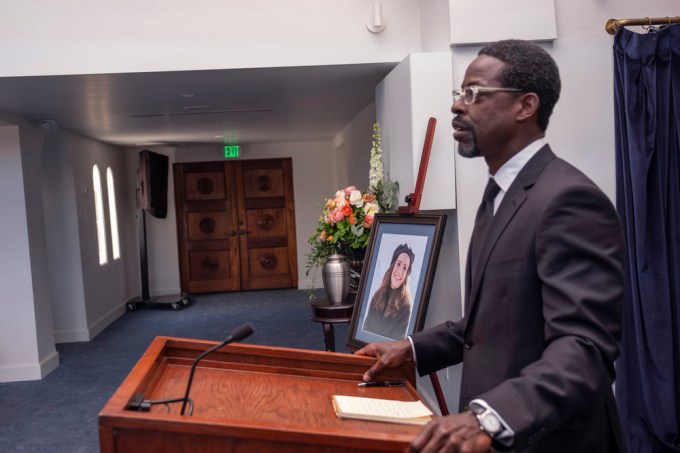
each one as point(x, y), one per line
point(380, 311)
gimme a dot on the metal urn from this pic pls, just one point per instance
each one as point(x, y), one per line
point(335, 273)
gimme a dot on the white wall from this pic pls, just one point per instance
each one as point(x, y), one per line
point(418, 89)
point(100, 36)
point(99, 292)
point(356, 140)
point(26, 340)
point(435, 29)
point(31, 140)
point(63, 242)
point(105, 286)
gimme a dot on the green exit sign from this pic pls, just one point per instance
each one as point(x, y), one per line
point(231, 151)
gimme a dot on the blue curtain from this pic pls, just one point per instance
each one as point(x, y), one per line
point(647, 110)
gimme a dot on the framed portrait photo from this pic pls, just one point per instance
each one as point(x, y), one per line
point(396, 279)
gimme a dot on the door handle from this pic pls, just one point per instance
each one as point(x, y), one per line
point(243, 232)
point(231, 233)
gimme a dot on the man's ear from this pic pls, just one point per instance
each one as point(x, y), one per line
point(528, 106)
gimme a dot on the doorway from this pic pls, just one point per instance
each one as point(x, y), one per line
point(236, 225)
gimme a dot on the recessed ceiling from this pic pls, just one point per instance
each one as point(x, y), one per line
point(259, 105)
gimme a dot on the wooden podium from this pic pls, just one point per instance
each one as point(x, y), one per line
point(250, 398)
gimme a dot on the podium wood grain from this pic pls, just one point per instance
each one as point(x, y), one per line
point(250, 398)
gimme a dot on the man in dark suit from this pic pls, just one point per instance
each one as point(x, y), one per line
point(544, 280)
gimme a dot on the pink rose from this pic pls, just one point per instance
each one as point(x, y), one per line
point(349, 190)
point(337, 216)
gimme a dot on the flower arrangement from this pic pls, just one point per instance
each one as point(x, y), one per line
point(346, 219)
point(344, 225)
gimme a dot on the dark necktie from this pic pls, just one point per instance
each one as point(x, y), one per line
point(483, 221)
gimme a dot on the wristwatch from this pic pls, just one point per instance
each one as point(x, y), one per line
point(488, 420)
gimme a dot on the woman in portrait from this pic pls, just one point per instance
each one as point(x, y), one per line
point(390, 308)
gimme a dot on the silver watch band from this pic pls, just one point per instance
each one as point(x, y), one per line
point(506, 435)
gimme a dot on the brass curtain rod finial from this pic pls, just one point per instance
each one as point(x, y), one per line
point(612, 25)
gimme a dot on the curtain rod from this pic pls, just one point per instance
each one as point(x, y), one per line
point(613, 24)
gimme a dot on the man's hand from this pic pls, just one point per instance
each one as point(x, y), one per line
point(390, 354)
point(456, 433)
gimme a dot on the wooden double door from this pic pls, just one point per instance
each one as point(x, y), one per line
point(236, 225)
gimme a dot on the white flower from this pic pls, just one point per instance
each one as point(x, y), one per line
point(356, 199)
point(371, 208)
point(375, 174)
point(340, 199)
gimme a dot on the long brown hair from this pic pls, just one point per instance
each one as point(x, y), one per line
point(391, 300)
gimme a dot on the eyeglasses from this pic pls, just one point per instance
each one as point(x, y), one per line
point(469, 94)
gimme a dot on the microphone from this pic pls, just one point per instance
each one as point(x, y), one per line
point(241, 332)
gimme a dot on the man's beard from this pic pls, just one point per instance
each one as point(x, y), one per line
point(470, 150)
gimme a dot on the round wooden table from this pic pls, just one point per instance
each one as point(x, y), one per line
point(328, 314)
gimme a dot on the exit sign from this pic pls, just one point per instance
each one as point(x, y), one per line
point(231, 151)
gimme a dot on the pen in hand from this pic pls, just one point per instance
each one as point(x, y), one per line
point(382, 384)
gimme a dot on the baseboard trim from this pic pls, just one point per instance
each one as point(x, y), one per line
point(105, 321)
point(71, 336)
point(87, 334)
point(30, 372)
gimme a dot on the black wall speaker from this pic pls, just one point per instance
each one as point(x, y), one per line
point(152, 183)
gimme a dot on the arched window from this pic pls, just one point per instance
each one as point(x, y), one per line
point(113, 214)
point(99, 212)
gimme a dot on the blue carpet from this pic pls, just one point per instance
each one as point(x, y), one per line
point(59, 413)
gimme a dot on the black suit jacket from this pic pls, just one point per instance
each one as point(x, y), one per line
point(542, 317)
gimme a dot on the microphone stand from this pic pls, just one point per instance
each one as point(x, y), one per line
point(241, 332)
point(193, 369)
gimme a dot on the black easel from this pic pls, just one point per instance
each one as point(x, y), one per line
point(413, 207)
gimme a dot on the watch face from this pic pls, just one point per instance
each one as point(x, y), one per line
point(491, 424)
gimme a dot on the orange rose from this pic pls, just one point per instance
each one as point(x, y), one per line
point(369, 197)
point(347, 210)
point(352, 220)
